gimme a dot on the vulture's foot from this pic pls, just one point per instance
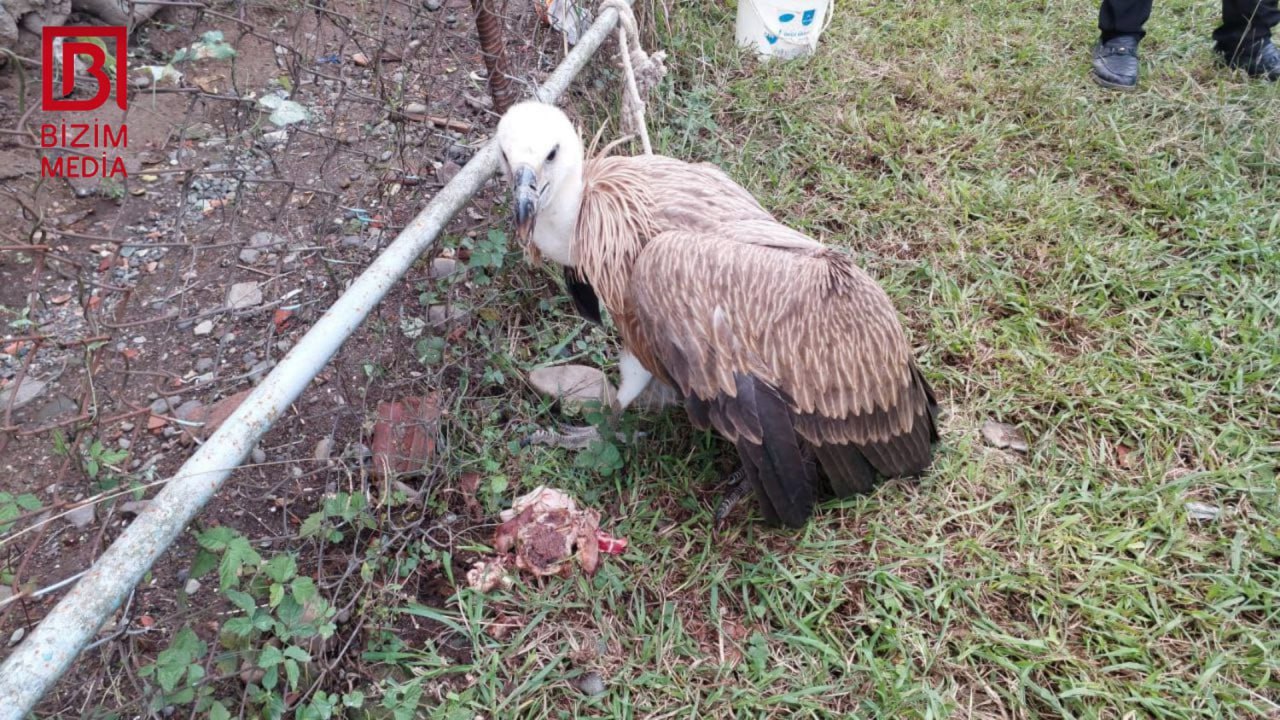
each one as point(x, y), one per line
point(575, 437)
point(739, 488)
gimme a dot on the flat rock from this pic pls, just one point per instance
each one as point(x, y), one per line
point(1003, 435)
point(573, 385)
point(1203, 511)
point(81, 516)
point(57, 406)
point(444, 267)
point(165, 406)
point(204, 328)
point(261, 240)
point(250, 256)
point(444, 314)
point(190, 410)
point(416, 108)
point(29, 390)
point(590, 684)
point(244, 295)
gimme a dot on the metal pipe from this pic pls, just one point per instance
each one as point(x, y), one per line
point(42, 658)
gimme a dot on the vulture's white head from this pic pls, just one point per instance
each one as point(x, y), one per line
point(543, 159)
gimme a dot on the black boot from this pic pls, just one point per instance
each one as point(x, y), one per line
point(1260, 59)
point(1115, 63)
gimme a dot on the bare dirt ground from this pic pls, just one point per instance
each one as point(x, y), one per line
point(121, 329)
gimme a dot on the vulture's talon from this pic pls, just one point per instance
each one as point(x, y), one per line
point(572, 438)
point(739, 488)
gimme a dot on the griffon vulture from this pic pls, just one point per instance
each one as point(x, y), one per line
point(783, 345)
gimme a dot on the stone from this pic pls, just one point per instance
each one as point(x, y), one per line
point(134, 507)
point(259, 456)
point(165, 406)
point(29, 390)
point(250, 256)
point(204, 328)
point(204, 364)
point(573, 385)
point(444, 267)
point(416, 108)
point(265, 239)
point(244, 295)
point(446, 314)
point(57, 406)
point(192, 587)
point(1003, 435)
point(191, 411)
point(591, 684)
point(81, 516)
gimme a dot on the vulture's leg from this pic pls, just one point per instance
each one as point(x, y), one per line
point(739, 488)
point(634, 380)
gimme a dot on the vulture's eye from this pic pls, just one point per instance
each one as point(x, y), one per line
point(552, 155)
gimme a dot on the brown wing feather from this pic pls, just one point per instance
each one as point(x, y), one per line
point(755, 298)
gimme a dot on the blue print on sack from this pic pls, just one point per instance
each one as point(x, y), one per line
point(786, 17)
point(807, 18)
point(771, 38)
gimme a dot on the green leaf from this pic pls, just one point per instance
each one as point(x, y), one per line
point(242, 600)
point(311, 526)
point(353, 699)
point(28, 502)
point(304, 589)
point(216, 539)
point(271, 678)
point(430, 350)
point(270, 657)
point(498, 484)
point(203, 563)
point(275, 594)
point(291, 672)
point(281, 568)
point(169, 675)
point(297, 653)
point(240, 627)
point(239, 553)
point(218, 711)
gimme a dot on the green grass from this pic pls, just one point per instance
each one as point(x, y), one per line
point(1099, 269)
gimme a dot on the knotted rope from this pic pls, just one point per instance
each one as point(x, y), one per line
point(641, 70)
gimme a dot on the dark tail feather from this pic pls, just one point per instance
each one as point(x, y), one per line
point(847, 470)
point(911, 452)
point(784, 479)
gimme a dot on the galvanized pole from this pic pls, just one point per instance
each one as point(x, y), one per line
point(45, 655)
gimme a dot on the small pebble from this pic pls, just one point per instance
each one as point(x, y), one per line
point(204, 365)
point(591, 684)
point(204, 328)
point(259, 456)
point(192, 586)
point(250, 256)
point(81, 516)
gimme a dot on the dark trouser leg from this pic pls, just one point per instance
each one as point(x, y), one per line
point(1245, 22)
point(1124, 17)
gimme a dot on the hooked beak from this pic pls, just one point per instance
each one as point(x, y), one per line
point(524, 189)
